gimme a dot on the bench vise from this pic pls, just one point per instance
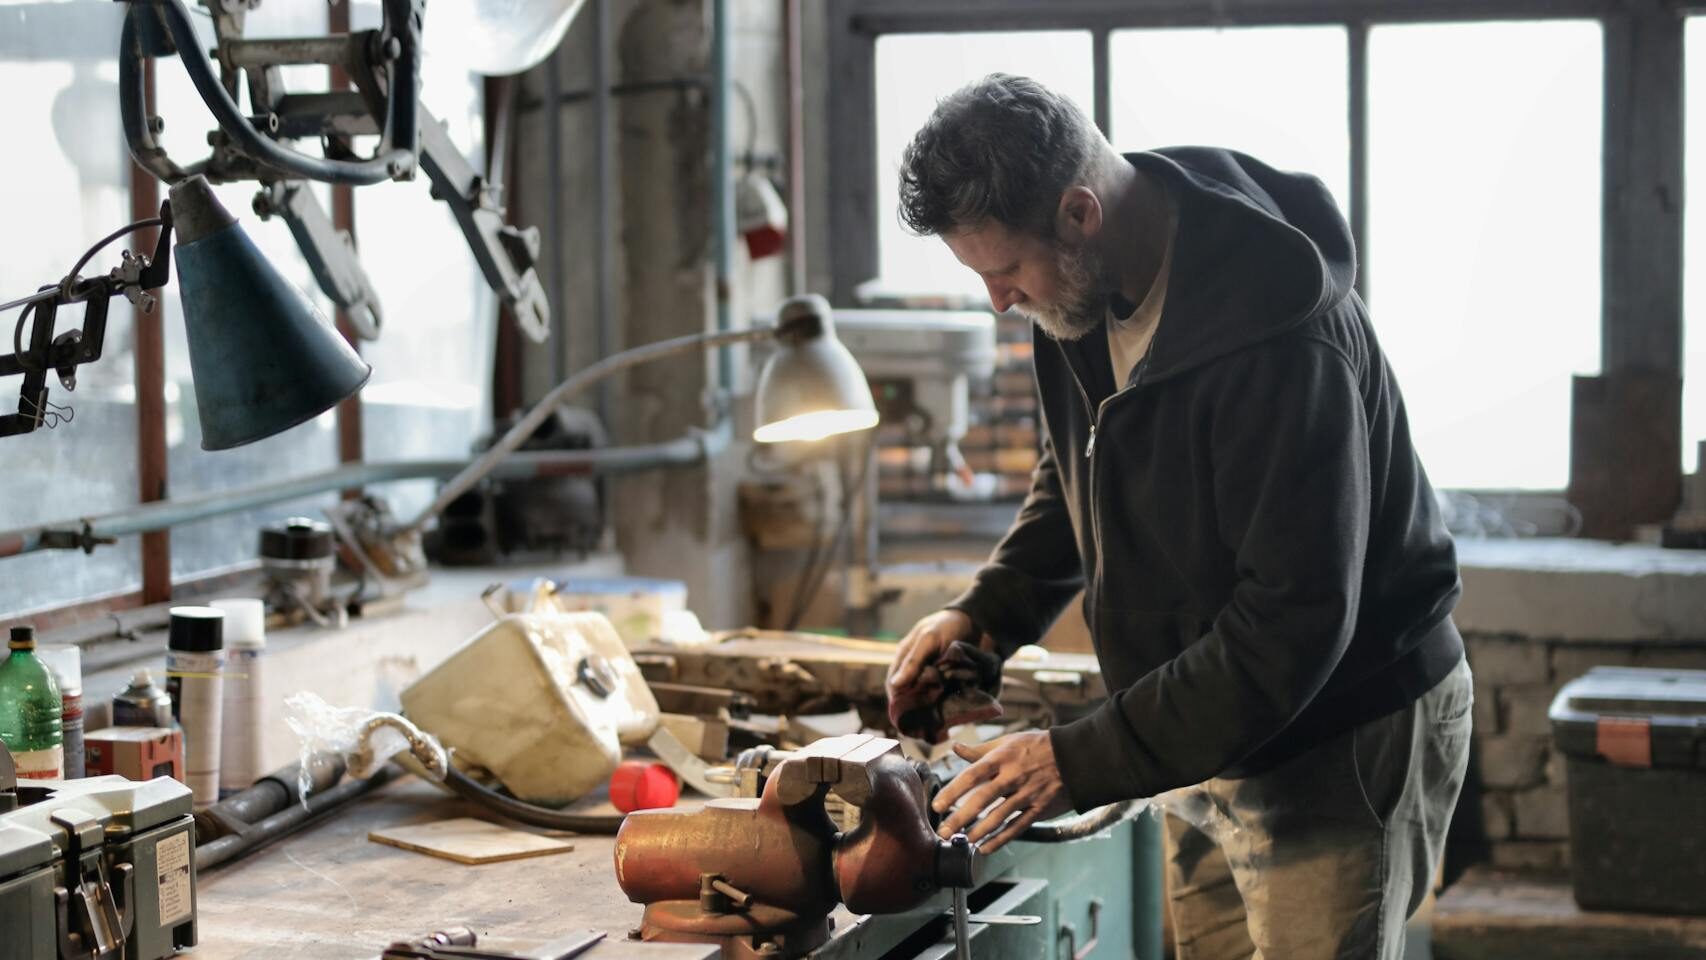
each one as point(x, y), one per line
point(760, 876)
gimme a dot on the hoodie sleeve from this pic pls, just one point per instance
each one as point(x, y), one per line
point(1289, 441)
point(1034, 571)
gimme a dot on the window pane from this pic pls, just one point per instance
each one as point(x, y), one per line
point(914, 71)
point(219, 543)
point(1484, 238)
point(1279, 94)
point(432, 363)
point(1694, 237)
point(67, 179)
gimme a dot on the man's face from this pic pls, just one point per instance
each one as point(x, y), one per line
point(1057, 286)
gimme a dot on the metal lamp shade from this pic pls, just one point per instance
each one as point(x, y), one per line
point(811, 387)
point(262, 357)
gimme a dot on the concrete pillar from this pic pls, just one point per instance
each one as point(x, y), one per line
point(679, 523)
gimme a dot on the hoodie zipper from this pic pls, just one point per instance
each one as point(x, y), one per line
point(1095, 414)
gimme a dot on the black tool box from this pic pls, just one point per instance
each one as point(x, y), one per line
point(1635, 742)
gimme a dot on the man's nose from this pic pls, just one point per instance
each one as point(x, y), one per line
point(1002, 297)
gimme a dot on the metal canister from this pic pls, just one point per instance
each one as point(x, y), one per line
point(143, 704)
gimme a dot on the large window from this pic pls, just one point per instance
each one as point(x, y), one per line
point(427, 396)
point(221, 542)
point(1484, 238)
point(1480, 247)
point(913, 73)
point(1276, 93)
point(66, 178)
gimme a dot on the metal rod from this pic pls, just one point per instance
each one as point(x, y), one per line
point(694, 448)
point(603, 172)
point(149, 357)
point(559, 365)
point(722, 190)
point(962, 935)
point(542, 410)
point(794, 31)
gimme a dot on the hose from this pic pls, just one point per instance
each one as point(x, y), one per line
point(1084, 825)
point(519, 810)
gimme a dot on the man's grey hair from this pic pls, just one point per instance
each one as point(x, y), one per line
point(1001, 149)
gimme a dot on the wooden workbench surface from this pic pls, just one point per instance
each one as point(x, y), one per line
point(328, 892)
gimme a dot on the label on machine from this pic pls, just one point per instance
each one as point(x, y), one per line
point(172, 856)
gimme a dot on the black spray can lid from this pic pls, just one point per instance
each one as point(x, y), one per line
point(197, 629)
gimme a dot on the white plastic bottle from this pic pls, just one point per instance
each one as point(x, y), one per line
point(245, 694)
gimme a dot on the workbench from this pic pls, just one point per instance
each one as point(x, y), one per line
point(328, 893)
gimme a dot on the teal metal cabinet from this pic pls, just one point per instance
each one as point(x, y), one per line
point(1099, 899)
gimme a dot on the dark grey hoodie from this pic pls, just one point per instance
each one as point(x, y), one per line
point(1263, 562)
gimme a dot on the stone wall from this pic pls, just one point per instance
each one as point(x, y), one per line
point(1524, 799)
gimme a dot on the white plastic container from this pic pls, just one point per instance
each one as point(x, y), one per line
point(243, 713)
point(543, 701)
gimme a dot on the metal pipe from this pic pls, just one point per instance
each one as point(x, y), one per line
point(603, 172)
point(1084, 825)
point(722, 189)
point(554, 220)
point(524, 428)
point(696, 447)
point(293, 817)
point(794, 31)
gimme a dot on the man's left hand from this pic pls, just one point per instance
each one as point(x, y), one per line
point(1010, 777)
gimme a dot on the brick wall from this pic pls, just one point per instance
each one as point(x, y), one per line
point(1524, 802)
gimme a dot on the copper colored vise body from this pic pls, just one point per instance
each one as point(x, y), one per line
point(760, 876)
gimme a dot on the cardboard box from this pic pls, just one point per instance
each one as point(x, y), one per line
point(135, 753)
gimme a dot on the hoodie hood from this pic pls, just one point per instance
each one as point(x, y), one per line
point(1258, 252)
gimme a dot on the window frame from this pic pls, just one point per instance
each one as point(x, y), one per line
point(1641, 314)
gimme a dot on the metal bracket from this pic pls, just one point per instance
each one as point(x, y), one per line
point(329, 251)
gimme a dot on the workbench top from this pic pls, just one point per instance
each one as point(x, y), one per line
point(328, 892)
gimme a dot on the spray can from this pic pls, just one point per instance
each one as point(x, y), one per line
point(245, 697)
point(195, 668)
point(66, 662)
point(143, 704)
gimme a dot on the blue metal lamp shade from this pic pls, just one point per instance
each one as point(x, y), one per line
point(263, 358)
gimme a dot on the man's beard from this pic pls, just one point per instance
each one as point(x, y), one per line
point(1080, 298)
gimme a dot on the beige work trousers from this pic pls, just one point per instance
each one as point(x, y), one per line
point(1328, 854)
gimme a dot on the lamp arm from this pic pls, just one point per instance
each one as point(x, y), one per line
point(576, 382)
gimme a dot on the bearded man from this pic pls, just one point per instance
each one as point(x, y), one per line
point(1228, 476)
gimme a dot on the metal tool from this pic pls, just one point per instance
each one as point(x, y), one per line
point(461, 943)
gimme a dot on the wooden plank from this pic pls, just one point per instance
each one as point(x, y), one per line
point(467, 840)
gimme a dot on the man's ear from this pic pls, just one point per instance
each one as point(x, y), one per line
point(1079, 217)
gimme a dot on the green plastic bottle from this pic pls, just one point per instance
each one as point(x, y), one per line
point(30, 710)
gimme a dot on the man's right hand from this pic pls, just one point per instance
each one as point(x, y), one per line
point(928, 639)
